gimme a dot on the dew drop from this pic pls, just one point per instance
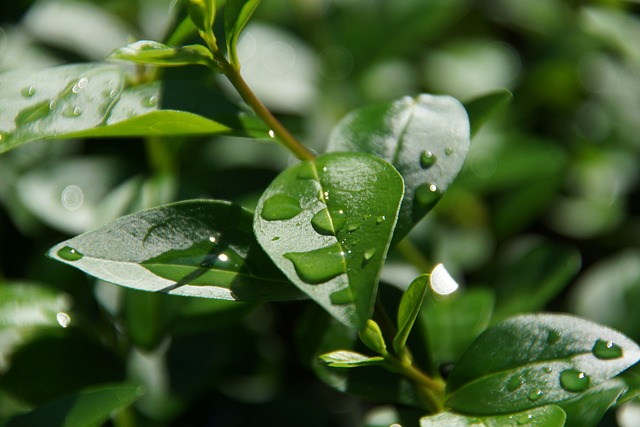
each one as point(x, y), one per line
point(72, 112)
point(427, 195)
point(150, 101)
point(368, 254)
point(353, 226)
point(113, 93)
point(574, 380)
point(525, 419)
point(448, 151)
point(514, 383)
point(342, 297)
point(320, 265)
point(607, 350)
point(63, 319)
point(427, 159)
point(28, 92)
point(70, 254)
point(553, 337)
point(272, 134)
point(381, 219)
point(535, 395)
point(329, 221)
point(212, 239)
point(53, 105)
point(275, 238)
point(280, 207)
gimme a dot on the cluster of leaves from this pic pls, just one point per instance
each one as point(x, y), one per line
point(325, 229)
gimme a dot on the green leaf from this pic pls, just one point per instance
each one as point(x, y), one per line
point(202, 13)
point(453, 322)
point(327, 225)
point(481, 109)
point(588, 409)
point(236, 15)
point(546, 416)
point(535, 360)
point(94, 100)
point(410, 306)
point(194, 248)
point(349, 359)
point(154, 53)
point(92, 406)
point(426, 138)
point(371, 336)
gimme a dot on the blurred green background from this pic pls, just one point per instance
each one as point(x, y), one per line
point(546, 211)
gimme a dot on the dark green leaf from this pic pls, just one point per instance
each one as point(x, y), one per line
point(426, 138)
point(482, 108)
point(349, 359)
point(154, 53)
point(410, 306)
point(546, 416)
point(89, 407)
point(236, 15)
point(194, 248)
point(587, 409)
point(454, 321)
point(327, 225)
point(93, 100)
point(534, 360)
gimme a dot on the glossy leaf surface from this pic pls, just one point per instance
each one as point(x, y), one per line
point(425, 138)
point(93, 100)
point(89, 407)
point(546, 416)
point(195, 248)
point(236, 16)
point(155, 53)
point(410, 306)
point(588, 409)
point(327, 225)
point(482, 108)
point(534, 360)
point(349, 359)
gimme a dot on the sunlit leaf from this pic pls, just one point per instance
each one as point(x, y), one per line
point(327, 225)
point(195, 248)
point(426, 138)
point(588, 409)
point(89, 407)
point(236, 15)
point(410, 306)
point(349, 359)
point(546, 416)
point(558, 357)
point(155, 53)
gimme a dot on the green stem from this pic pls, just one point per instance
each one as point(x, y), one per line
point(432, 390)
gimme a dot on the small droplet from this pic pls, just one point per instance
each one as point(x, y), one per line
point(381, 219)
point(72, 112)
point(553, 337)
point(70, 254)
point(353, 226)
point(212, 239)
point(325, 196)
point(525, 419)
point(113, 93)
point(150, 101)
point(272, 134)
point(275, 238)
point(427, 195)
point(448, 151)
point(535, 395)
point(320, 265)
point(53, 105)
point(607, 350)
point(280, 207)
point(574, 380)
point(547, 369)
point(368, 254)
point(427, 159)
point(28, 92)
point(63, 319)
point(341, 297)
point(514, 383)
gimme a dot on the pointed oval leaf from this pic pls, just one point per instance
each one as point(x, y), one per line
point(410, 306)
point(155, 53)
point(426, 138)
point(481, 109)
point(93, 100)
point(534, 360)
point(349, 359)
point(89, 407)
point(588, 409)
point(371, 336)
point(195, 248)
point(546, 416)
point(236, 15)
point(327, 225)
point(202, 13)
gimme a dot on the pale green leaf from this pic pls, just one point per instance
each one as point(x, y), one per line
point(155, 53)
point(410, 306)
point(371, 336)
point(349, 359)
point(236, 16)
point(546, 416)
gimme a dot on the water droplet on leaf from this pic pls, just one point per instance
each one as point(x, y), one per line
point(535, 395)
point(280, 207)
point(574, 380)
point(63, 319)
point(150, 101)
point(381, 219)
point(427, 195)
point(320, 265)
point(272, 134)
point(70, 254)
point(607, 350)
point(427, 159)
point(369, 253)
point(28, 92)
point(448, 151)
point(353, 226)
point(553, 337)
point(525, 419)
point(72, 112)
point(342, 297)
point(514, 383)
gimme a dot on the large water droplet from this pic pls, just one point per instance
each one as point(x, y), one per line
point(574, 380)
point(553, 337)
point(342, 297)
point(72, 112)
point(329, 221)
point(280, 207)
point(82, 83)
point(368, 254)
point(320, 265)
point(70, 254)
point(535, 395)
point(427, 195)
point(28, 92)
point(427, 159)
point(607, 350)
point(514, 383)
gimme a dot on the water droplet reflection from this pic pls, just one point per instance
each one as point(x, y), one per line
point(70, 254)
point(607, 350)
point(441, 281)
point(63, 319)
point(28, 92)
point(574, 380)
